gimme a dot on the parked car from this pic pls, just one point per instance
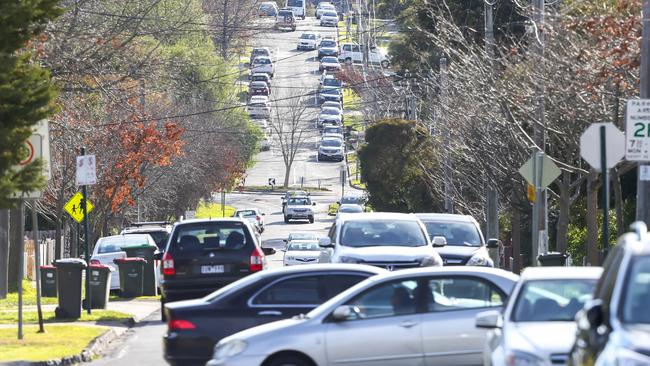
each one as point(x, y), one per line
point(253, 215)
point(336, 130)
point(259, 107)
point(330, 95)
point(258, 88)
point(329, 63)
point(268, 9)
point(298, 7)
point(286, 19)
point(299, 252)
point(260, 76)
point(322, 7)
point(333, 104)
point(327, 47)
point(262, 64)
point(330, 81)
point(108, 248)
point(352, 200)
point(458, 239)
point(299, 208)
point(329, 18)
point(300, 236)
point(308, 41)
point(267, 141)
point(159, 231)
point(349, 208)
point(538, 326)
point(195, 326)
point(259, 51)
point(203, 255)
point(329, 114)
point(331, 149)
point(613, 326)
point(407, 318)
point(390, 240)
point(337, 136)
point(353, 53)
point(293, 193)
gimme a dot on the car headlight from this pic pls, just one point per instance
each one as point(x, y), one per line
point(627, 357)
point(427, 261)
point(480, 260)
point(518, 358)
point(344, 259)
point(229, 349)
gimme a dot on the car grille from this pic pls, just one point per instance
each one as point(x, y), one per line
point(559, 359)
point(305, 260)
point(330, 151)
point(454, 260)
point(299, 210)
point(393, 266)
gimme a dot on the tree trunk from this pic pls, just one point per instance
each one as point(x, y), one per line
point(563, 216)
point(516, 236)
point(592, 219)
point(618, 202)
point(287, 173)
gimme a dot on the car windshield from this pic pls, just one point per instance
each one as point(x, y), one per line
point(246, 213)
point(160, 237)
point(345, 200)
point(331, 104)
point(302, 236)
point(456, 233)
point(262, 61)
point(327, 43)
point(213, 235)
point(308, 36)
point(331, 91)
point(260, 52)
point(299, 201)
point(257, 105)
point(636, 298)
point(112, 244)
point(336, 130)
point(350, 209)
point(285, 13)
point(329, 60)
point(331, 143)
point(308, 246)
point(330, 14)
point(261, 78)
point(373, 232)
point(295, 3)
point(258, 84)
point(552, 300)
point(331, 82)
point(328, 6)
point(330, 111)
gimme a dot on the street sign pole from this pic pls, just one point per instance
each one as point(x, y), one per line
point(21, 266)
point(84, 207)
point(537, 165)
point(605, 177)
point(37, 266)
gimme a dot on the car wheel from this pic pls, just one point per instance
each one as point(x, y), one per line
point(162, 309)
point(287, 360)
point(303, 17)
point(385, 64)
point(311, 219)
point(348, 61)
point(286, 220)
point(298, 48)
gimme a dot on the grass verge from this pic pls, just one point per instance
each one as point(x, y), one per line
point(11, 317)
point(57, 342)
point(212, 210)
point(29, 297)
point(351, 100)
point(355, 122)
point(141, 298)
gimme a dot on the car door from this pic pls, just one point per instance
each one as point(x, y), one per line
point(449, 334)
point(384, 330)
point(357, 53)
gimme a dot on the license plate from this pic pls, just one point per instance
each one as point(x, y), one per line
point(212, 269)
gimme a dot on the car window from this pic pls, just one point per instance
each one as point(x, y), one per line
point(113, 244)
point(330, 14)
point(331, 143)
point(295, 3)
point(328, 44)
point(299, 201)
point(308, 36)
point(329, 60)
point(160, 238)
point(304, 290)
point(303, 247)
point(218, 235)
point(302, 236)
point(447, 294)
point(347, 47)
point(387, 299)
point(456, 233)
point(331, 82)
point(552, 300)
point(636, 295)
point(246, 213)
point(365, 233)
point(330, 111)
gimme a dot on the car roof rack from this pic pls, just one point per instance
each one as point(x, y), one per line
point(150, 223)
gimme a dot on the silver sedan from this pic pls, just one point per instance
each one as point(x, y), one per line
point(413, 317)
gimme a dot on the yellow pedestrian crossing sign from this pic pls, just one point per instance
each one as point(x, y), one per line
point(75, 209)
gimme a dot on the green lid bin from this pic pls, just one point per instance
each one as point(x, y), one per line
point(69, 286)
point(131, 276)
point(552, 259)
point(100, 278)
point(48, 281)
point(146, 252)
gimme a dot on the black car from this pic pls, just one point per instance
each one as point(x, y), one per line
point(195, 326)
point(205, 255)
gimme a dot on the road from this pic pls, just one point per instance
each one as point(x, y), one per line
point(295, 70)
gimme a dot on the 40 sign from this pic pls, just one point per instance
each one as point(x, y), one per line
point(637, 130)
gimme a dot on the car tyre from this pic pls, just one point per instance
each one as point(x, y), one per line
point(311, 219)
point(287, 360)
point(286, 220)
point(163, 318)
point(385, 64)
point(348, 60)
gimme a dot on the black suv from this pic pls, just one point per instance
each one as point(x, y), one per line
point(204, 255)
point(614, 327)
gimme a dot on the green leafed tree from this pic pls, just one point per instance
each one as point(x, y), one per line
point(392, 166)
point(26, 93)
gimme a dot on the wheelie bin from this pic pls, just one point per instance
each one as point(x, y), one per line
point(48, 281)
point(100, 278)
point(69, 286)
point(146, 252)
point(131, 276)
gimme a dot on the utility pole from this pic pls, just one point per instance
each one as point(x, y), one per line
point(643, 187)
point(449, 208)
point(37, 265)
point(492, 198)
point(84, 206)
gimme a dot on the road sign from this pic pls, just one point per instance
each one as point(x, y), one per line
point(549, 171)
point(86, 170)
point(637, 128)
point(271, 181)
point(590, 145)
point(36, 146)
point(190, 214)
point(74, 207)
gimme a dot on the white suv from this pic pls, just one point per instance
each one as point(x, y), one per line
point(323, 7)
point(308, 41)
point(299, 208)
point(262, 64)
point(353, 53)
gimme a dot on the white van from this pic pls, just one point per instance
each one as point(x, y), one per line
point(298, 7)
point(353, 53)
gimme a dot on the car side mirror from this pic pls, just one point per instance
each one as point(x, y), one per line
point(268, 251)
point(313, 203)
point(489, 319)
point(594, 313)
point(342, 313)
point(158, 256)
point(439, 241)
point(285, 240)
point(325, 242)
point(493, 243)
point(263, 214)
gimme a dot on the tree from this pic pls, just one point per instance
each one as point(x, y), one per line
point(26, 94)
point(391, 166)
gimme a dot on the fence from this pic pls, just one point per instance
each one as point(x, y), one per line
point(46, 248)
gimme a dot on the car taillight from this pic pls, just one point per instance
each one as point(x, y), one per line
point(180, 324)
point(257, 261)
point(95, 261)
point(258, 218)
point(168, 265)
